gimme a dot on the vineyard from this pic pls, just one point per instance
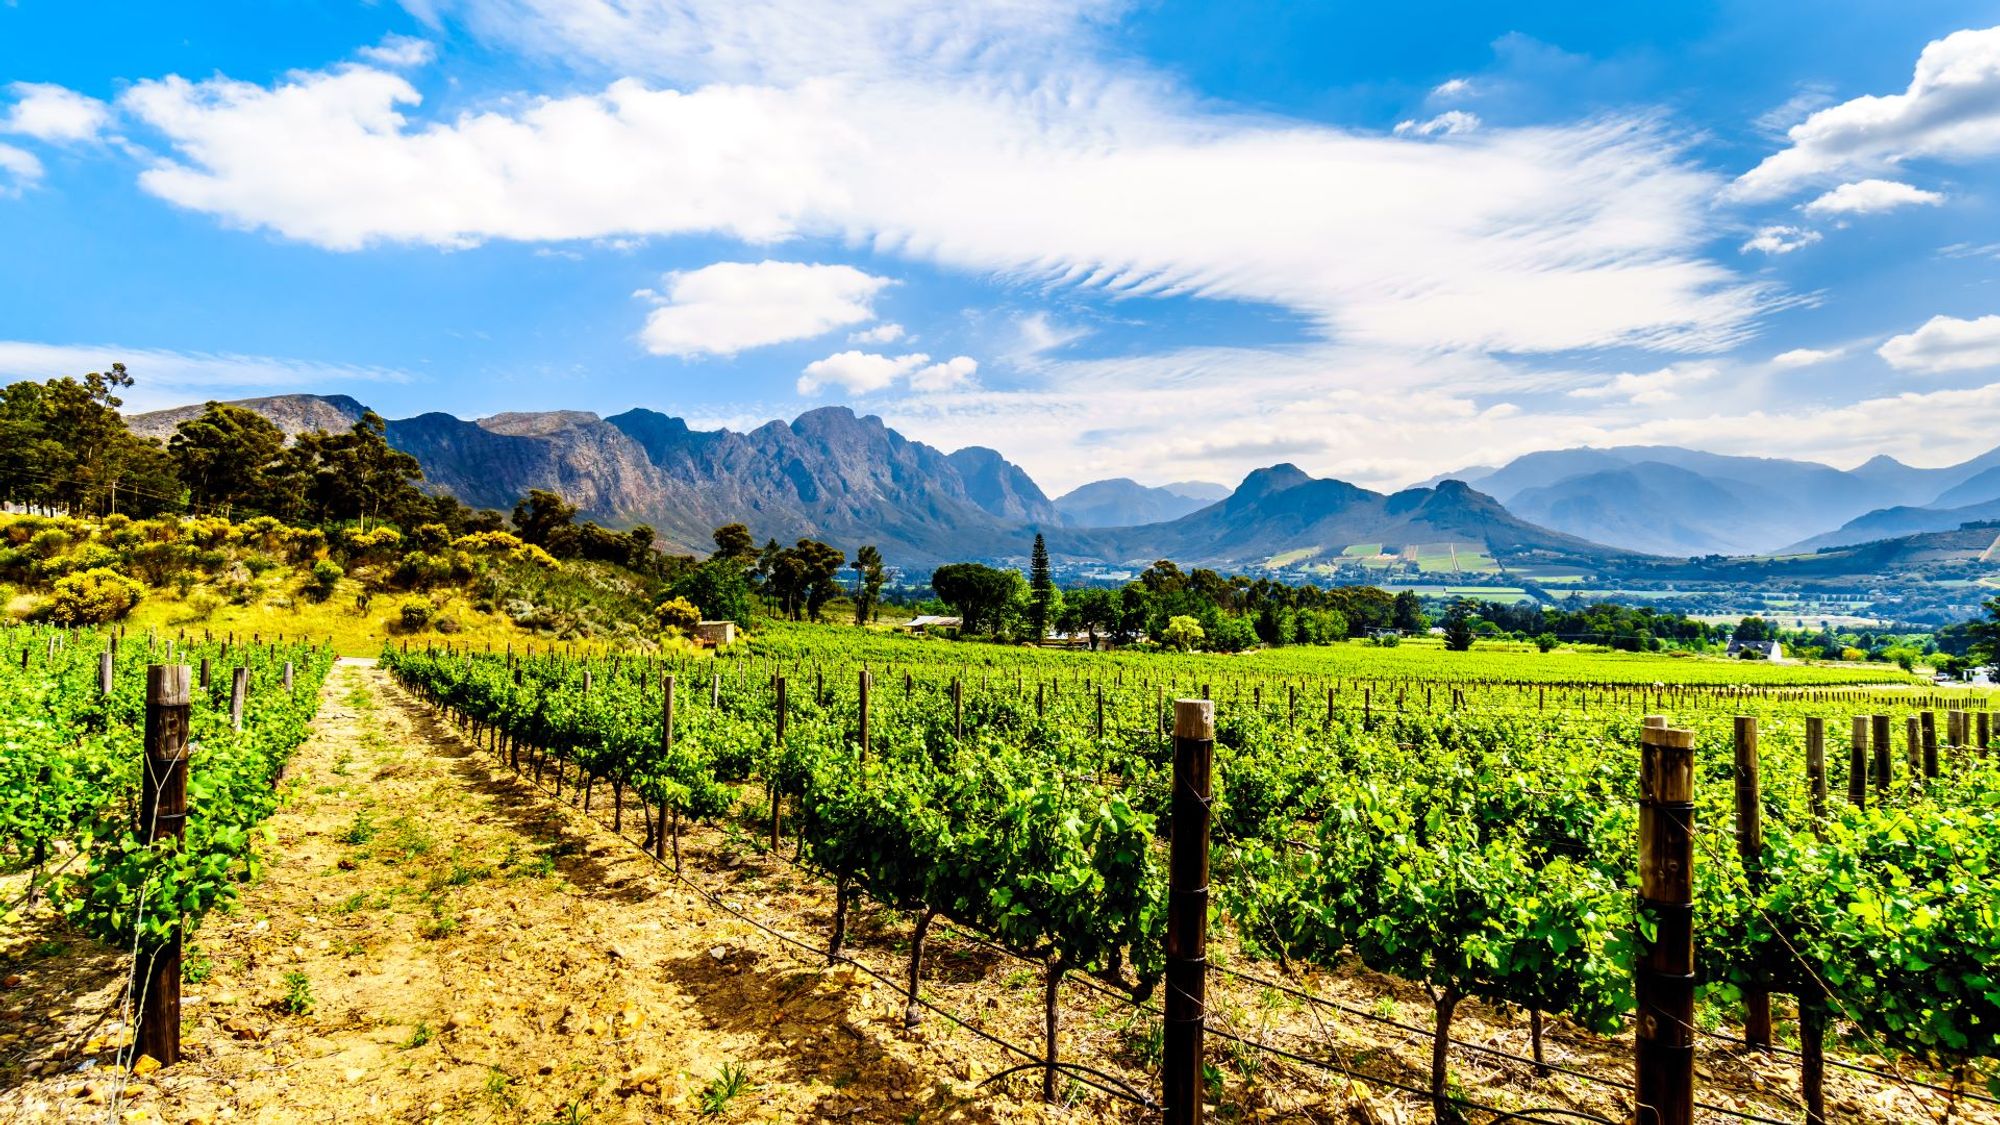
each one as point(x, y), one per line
point(91, 817)
point(1474, 836)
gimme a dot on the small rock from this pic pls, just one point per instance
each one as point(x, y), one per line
point(147, 1064)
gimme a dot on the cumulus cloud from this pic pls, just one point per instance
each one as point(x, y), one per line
point(1806, 357)
point(1945, 344)
point(1779, 240)
point(19, 170)
point(1004, 140)
point(1869, 197)
point(48, 112)
point(400, 51)
point(952, 374)
point(732, 306)
point(1950, 110)
point(864, 373)
point(880, 334)
point(1650, 388)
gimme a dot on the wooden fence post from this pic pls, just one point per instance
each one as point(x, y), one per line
point(1816, 765)
point(289, 675)
point(1857, 763)
point(1930, 762)
point(1879, 742)
point(1913, 750)
point(1750, 846)
point(156, 974)
point(1187, 912)
point(1665, 1048)
point(863, 685)
point(239, 692)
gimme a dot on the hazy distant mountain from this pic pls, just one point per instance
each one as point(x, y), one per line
point(1670, 500)
point(1198, 489)
point(1282, 509)
point(1886, 523)
point(1123, 502)
point(294, 414)
point(828, 474)
point(1975, 489)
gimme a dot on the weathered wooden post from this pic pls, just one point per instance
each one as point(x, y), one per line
point(1879, 741)
point(1930, 762)
point(1750, 846)
point(289, 675)
point(1857, 763)
point(1187, 912)
point(957, 709)
point(204, 673)
point(1913, 750)
point(104, 672)
point(156, 974)
point(1665, 1038)
point(1816, 765)
point(239, 691)
point(863, 684)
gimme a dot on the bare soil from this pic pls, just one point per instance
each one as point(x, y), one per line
point(438, 939)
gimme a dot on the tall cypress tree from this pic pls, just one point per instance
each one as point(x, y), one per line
point(1041, 589)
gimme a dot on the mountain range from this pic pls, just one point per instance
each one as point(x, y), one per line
point(1665, 500)
point(851, 479)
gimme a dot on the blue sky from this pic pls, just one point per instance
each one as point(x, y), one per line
point(1168, 240)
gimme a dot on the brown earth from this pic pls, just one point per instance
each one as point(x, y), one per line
point(437, 939)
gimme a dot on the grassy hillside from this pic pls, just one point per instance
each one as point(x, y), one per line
point(359, 590)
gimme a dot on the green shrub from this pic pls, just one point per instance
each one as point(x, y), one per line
point(321, 580)
point(94, 597)
point(416, 613)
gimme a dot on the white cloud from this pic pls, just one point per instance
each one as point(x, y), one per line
point(1806, 357)
point(880, 334)
point(54, 113)
point(1449, 123)
point(400, 51)
point(952, 374)
point(19, 170)
point(1869, 197)
point(164, 377)
point(1780, 240)
point(1951, 110)
point(1009, 146)
point(859, 372)
point(1039, 333)
point(731, 306)
point(1650, 388)
point(863, 373)
point(1452, 88)
point(1945, 344)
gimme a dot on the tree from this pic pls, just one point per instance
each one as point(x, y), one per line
point(1755, 630)
point(546, 520)
point(1984, 634)
point(733, 542)
point(803, 577)
point(1182, 633)
point(720, 589)
point(869, 574)
point(225, 454)
point(1091, 610)
point(1409, 613)
point(1042, 590)
point(982, 595)
point(1458, 626)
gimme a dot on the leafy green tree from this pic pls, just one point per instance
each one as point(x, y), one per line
point(548, 521)
point(1182, 633)
point(1408, 615)
point(1458, 626)
point(982, 595)
point(225, 454)
point(720, 589)
point(869, 575)
point(734, 542)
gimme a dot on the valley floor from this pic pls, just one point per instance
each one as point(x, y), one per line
point(438, 939)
